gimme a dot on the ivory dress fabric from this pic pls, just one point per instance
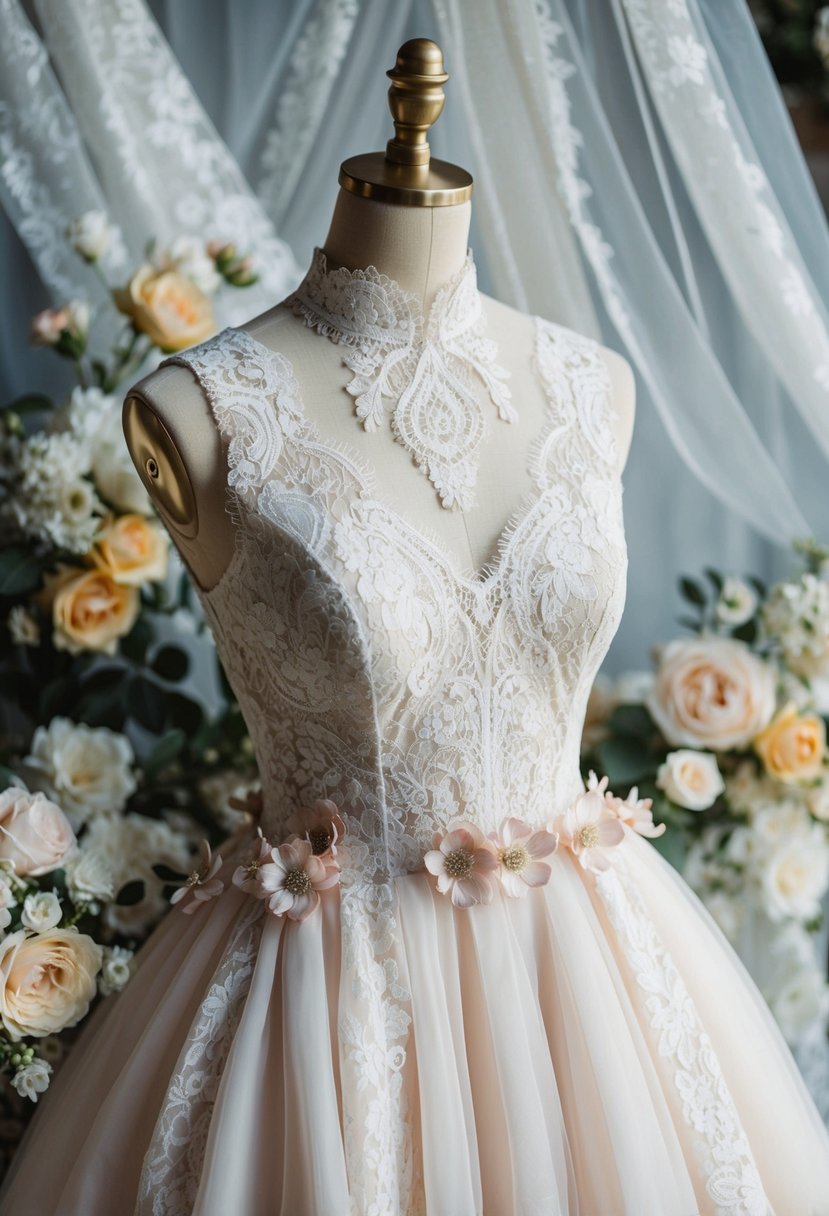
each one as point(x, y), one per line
point(593, 1047)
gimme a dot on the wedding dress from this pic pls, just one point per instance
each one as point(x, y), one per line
point(451, 1030)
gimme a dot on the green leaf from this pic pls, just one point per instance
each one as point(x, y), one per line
point(689, 622)
point(631, 720)
point(746, 632)
point(166, 874)
point(146, 703)
point(183, 713)
point(20, 572)
point(165, 751)
point(6, 777)
point(715, 577)
point(171, 663)
point(30, 403)
point(692, 591)
point(56, 697)
point(625, 761)
point(135, 645)
point(131, 893)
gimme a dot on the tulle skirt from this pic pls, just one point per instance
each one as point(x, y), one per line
point(593, 1049)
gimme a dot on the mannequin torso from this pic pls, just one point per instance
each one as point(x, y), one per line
point(176, 447)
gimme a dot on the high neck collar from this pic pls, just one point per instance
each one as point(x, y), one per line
point(418, 366)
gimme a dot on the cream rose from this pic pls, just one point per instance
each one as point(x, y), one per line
point(711, 692)
point(690, 779)
point(88, 769)
point(90, 611)
point(793, 745)
point(34, 833)
point(132, 551)
point(796, 876)
point(47, 981)
point(168, 307)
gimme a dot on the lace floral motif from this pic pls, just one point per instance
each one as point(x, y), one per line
point(375, 674)
point(420, 367)
point(731, 1176)
point(173, 1163)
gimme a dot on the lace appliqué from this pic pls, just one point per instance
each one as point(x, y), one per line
point(421, 368)
point(731, 1177)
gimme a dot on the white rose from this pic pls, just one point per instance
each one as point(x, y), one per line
point(779, 821)
point(818, 801)
point(41, 911)
point(796, 876)
point(89, 877)
point(88, 769)
point(737, 602)
point(801, 1003)
point(32, 1079)
point(90, 234)
point(711, 692)
point(116, 969)
point(35, 835)
point(690, 779)
point(79, 316)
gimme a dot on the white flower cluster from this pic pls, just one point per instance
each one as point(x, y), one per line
point(188, 255)
point(54, 501)
point(797, 615)
point(772, 872)
point(95, 420)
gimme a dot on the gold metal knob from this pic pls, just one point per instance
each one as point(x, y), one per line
point(406, 173)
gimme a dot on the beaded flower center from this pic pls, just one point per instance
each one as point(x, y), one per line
point(589, 836)
point(514, 858)
point(297, 882)
point(320, 839)
point(458, 863)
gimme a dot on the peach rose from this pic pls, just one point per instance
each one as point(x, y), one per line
point(168, 307)
point(90, 611)
point(793, 745)
point(711, 692)
point(34, 833)
point(132, 551)
point(47, 981)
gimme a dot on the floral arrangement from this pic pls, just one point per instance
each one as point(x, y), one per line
point(111, 766)
point(726, 740)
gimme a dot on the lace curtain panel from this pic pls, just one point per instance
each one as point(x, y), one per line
point(637, 178)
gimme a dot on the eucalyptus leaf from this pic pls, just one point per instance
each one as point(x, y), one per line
point(692, 591)
point(20, 572)
point(171, 663)
point(131, 893)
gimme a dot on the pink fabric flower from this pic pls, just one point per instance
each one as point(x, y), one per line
point(246, 876)
point(293, 877)
point(589, 827)
point(635, 812)
point(463, 862)
point(320, 824)
point(202, 884)
point(519, 850)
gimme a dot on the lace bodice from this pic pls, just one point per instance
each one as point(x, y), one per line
point(370, 669)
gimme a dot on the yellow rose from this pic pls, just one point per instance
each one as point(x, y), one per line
point(47, 981)
point(168, 307)
point(90, 611)
point(793, 745)
point(132, 551)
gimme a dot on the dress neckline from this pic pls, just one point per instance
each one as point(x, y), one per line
point(417, 369)
point(478, 584)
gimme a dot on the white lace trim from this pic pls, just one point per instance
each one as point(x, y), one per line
point(418, 367)
point(730, 1172)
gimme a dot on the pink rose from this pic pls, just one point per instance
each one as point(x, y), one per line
point(34, 833)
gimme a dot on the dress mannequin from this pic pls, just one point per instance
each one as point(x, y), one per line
point(173, 438)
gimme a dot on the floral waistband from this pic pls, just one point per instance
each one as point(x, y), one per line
point(467, 864)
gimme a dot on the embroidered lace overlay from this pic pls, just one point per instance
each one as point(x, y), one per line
point(421, 368)
point(372, 672)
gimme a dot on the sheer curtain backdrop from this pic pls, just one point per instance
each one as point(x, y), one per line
point(637, 178)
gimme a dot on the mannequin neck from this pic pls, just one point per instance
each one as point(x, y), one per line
point(421, 248)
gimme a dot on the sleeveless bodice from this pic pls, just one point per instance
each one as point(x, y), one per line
point(369, 668)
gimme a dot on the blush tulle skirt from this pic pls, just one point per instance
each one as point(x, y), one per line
point(593, 1049)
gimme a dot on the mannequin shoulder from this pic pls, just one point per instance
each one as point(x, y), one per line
point(515, 328)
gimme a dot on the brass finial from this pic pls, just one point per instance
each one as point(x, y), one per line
point(406, 174)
